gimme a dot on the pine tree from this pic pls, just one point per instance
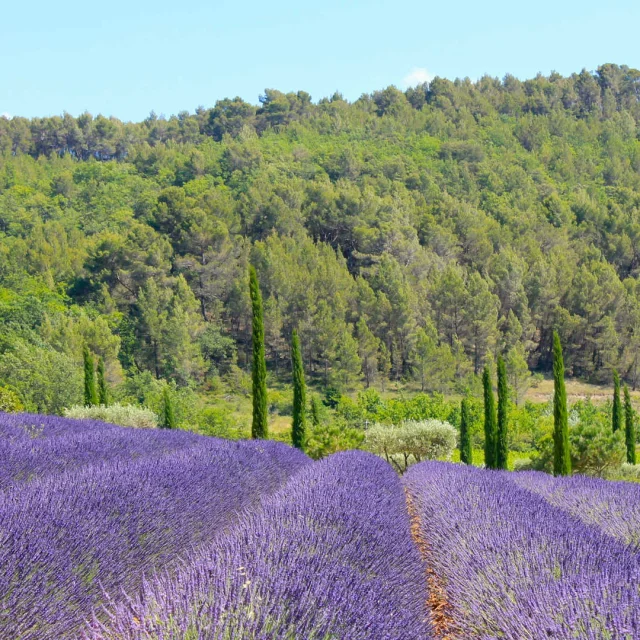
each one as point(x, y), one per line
point(168, 416)
point(103, 390)
point(561, 453)
point(629, 427)
point(299, 395)
point(616, 417)
point(502, 449)
point(489, 421)
point(259, 426)
point(90, 393)
point(466, 455)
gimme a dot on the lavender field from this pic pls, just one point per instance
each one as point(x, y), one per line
point(111, 533)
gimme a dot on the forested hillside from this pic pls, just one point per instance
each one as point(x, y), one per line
point(406, 236)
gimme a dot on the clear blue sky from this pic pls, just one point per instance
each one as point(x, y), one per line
point(126, 58)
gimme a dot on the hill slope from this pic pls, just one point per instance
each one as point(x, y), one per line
point(406, 235)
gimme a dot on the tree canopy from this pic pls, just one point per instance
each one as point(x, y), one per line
point(406, 235)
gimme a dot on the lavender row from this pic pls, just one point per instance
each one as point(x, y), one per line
point(515, 567)
point(330, 555)
point(66, 536)
point(34, 446)
point(614, 507)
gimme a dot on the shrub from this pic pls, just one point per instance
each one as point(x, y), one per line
point(326, 439)
point(218, 422)
point(626, 471)
point(594, 448)
point(126, 415)
point(412, 442)
point(10, 401)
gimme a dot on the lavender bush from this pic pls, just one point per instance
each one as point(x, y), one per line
point(614, 507)
point(515, 567)
point(87, 525)
point(328, 556)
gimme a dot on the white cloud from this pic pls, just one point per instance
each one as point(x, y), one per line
point(5, 115)
point(416, 76)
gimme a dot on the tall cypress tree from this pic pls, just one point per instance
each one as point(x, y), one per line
point(90, 393)
point(502, 450)
point(466, 454)
point(259, 426)
point(561, 453)
point(168, 420)
point(616, 414)
point(299, 394)
point(629, 427)
point(489, 421)
point(103, 390)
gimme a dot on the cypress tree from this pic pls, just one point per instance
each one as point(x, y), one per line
point(616, 414)
point(103, 390)
point(90, 393)
point(259, 426)
point(316, 419)
point(561, 453)
point(629, 427)
point(299, 394)
point(489, 421)
point(168, 416)
point(502, 449)
point(466, 455)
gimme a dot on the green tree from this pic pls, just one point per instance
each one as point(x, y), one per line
point(629, 427)
point(518, 372)
point(259, 425)
point(490, 435)
point(90, 392)
point(368, 346)
point(466, 454)
point(616, 412)
point(103, 389)
point(502, 448)
point(316, 411)
point(168, 420)
point(561, 452)
point(298, 431)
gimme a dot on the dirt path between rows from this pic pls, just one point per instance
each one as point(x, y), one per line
point(436, 603)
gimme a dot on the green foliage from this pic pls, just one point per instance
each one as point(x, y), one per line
point(316, 411)
point(502, 433)
point(126, 415)
point(10, 401)
point(594, 448)
point(490, 427)
point(216, 421)
point(103, 389)
point(616, 414)
point(90, 391)
point(561, 449)
point(466, 454)
point(298, 430)
point(259, 426)
point(627, 471)
point(168, 418)
point(629, 427)
point(407, 236)
point(412, 442)
point(47, 380)
point(332, 437)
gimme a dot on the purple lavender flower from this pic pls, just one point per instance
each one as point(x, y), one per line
point(104, 514)
point(516, 567)
point(329, 555)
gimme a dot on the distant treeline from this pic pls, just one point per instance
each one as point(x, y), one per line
point(407, 236)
